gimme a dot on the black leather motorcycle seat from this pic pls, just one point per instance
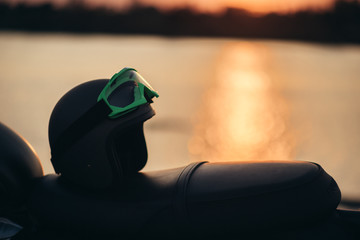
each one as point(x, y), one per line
point(211, 197)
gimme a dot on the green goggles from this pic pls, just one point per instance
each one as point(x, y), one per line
point(127, 77)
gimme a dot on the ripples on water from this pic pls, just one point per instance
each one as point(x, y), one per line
point(220, 99)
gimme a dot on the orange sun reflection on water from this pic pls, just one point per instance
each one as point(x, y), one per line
point(242, 117)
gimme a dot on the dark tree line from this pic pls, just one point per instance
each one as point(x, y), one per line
point(337, 25)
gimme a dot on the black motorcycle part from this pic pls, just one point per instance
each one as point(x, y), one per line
point(202, 199)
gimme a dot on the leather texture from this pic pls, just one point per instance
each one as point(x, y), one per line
point(201, 198)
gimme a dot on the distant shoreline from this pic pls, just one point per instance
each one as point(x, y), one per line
point(338, 25)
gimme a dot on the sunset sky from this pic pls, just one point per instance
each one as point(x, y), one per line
point(259, 6)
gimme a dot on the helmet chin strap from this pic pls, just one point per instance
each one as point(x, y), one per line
point(130, 148)
point(77, 129)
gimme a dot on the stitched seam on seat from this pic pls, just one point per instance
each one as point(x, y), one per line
point(180, 198)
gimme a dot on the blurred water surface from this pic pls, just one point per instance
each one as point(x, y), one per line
point(220, 99)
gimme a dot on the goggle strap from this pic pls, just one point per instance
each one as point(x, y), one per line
point(79, 128)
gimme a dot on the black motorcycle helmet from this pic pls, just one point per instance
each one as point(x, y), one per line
point(19, 168)
point(96, 130)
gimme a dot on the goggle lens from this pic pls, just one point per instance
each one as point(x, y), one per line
point(120, 98)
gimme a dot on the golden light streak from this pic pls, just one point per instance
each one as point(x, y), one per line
point(242, 117)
